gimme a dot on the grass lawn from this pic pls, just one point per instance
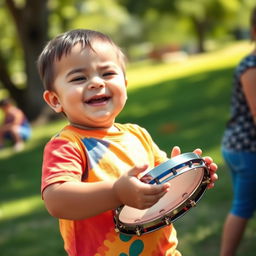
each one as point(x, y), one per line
point(184, 103)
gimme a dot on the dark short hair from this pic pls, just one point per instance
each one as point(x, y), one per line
point(63, 44)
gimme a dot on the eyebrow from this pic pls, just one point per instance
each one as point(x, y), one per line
point(107, 65)
point(76, 70)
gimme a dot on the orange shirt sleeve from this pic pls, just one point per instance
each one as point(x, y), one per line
point(62, 162)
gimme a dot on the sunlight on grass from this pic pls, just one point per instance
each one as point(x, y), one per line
point(148, 74)
point(48, 130)
point(20, 207)
point(215, 153)
point(137, 111)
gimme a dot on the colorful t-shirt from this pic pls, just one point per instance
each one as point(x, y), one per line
point(90, 156)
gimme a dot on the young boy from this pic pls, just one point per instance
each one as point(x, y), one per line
point(90, 168)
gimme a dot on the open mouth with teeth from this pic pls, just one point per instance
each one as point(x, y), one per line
point(97, 100)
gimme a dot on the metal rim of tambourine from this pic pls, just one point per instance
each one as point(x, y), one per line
point(157, 173)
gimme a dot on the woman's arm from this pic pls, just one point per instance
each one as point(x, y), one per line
point(248, 80)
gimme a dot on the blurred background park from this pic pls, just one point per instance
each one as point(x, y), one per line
point(181, 55)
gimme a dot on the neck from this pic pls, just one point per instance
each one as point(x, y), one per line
point(112, 128)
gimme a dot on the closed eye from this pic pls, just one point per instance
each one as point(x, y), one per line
point(79, 78)
point(109, 73)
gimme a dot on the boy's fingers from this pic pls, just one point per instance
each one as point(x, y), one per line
point(152, 199)
point(213, 167)
point(198, 151)
point(175, 151)
point(208, 159)
point(157, 189)
point(214, 177)
point(137, 170)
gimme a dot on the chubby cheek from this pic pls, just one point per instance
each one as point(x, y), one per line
point(124, 98)
point(74, 94)
point(121, 91)
point(71, 99)
point(120, 97)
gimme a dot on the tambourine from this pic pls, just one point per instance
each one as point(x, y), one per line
point(188, 176)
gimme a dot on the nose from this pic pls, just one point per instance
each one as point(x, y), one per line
point(96, 83)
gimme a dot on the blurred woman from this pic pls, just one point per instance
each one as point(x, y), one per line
point(239, 149)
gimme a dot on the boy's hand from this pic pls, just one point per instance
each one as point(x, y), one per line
point(208, 160)
point(132, 192)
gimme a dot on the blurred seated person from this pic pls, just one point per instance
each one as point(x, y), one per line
point(15, 126)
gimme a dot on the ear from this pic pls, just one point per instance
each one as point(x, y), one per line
point(126, 83)
point(52, 100)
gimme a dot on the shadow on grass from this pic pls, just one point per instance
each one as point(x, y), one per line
point(20, 173)
point(26, 227)
point(33, 234)
point(190, 111)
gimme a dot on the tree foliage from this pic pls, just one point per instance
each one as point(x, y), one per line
point(204, 16)
point(26, 25)
point(30, 27)
point(29, 23)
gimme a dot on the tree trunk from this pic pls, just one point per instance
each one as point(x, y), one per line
point(31, 25)
point(17, 94)
point(200, 32)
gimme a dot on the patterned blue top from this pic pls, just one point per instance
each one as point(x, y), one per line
point(240, 133)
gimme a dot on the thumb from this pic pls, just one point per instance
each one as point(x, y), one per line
point(136, 170)
point(175, 151)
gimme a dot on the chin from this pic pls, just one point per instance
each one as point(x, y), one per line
point(102, 123)
point(106, 118)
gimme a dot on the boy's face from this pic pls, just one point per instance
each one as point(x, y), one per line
point(90, 87)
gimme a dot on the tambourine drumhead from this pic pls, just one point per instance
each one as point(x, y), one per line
point(188, 177)
point(181, 187)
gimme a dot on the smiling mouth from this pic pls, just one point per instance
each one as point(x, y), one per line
point(97, 100)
